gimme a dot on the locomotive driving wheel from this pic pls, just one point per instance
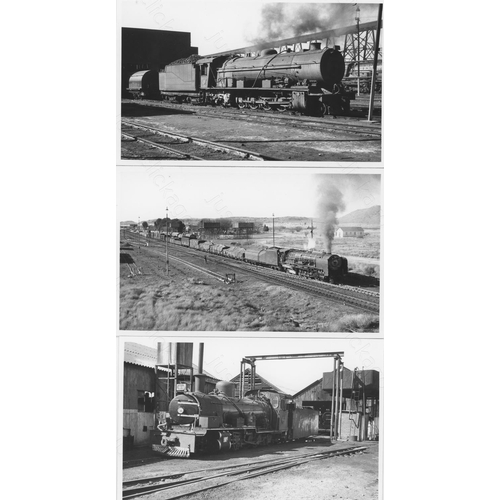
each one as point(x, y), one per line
point(265, 106)
point(252, 104)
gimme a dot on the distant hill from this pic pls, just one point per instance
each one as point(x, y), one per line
point(363, 217)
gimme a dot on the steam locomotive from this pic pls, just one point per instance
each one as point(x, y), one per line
point(309, 81)
point(208, 423)
point(307, 263)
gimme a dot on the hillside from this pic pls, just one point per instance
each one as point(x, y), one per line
point(363, 217)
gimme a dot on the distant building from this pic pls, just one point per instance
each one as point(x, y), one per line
point(245, 229)
point(349, 232)
point(260, 383)
point(210, 229)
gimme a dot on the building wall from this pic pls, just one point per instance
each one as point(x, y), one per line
point(136, 378)
point(138, 424)
point(152, 49)
point(348, 427)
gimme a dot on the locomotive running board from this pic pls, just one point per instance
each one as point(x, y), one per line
point(172, 451)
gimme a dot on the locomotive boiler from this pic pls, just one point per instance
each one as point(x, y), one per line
point(316, 265)
point(325, 67)
point(200, 423)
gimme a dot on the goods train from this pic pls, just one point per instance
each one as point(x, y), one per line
point(207, 423)
point(308, 263)
point(309, 81)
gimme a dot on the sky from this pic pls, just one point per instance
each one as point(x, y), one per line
point(222, 357)
point(217, 26)
point(145, 192)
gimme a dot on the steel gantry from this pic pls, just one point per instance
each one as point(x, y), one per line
point(338, 366)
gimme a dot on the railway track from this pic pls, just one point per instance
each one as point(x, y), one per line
point(371, 130)
point(231, 473)
point(186, 147)
point(361, 299)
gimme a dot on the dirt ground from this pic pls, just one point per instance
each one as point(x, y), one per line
point(189, 300)
point(352, 477)
point(278, 140)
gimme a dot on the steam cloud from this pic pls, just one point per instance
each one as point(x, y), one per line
point(333, 190)
point(330, 202)
point(284, 20)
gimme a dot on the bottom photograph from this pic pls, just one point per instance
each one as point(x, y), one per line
point(260, 418)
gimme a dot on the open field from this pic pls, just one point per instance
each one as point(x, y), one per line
point(190, 300)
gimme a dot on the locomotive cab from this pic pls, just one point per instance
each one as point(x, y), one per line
point(208, 71)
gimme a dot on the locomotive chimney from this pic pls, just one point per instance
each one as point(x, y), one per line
point(199, 378)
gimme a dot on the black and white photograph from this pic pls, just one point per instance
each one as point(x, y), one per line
point(250, 81)
point(267, 418)
point(240, 250)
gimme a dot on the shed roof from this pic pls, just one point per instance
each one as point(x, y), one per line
point(310, 386)
point(260, 382)
point(357, 228)
point(141, 355)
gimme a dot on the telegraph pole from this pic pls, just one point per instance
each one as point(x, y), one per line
point(359, 42)
point(273, 230)
point(166, 244)
point(375, 63)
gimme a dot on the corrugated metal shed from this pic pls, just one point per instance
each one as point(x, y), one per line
point(370, 379)
point(141, 355)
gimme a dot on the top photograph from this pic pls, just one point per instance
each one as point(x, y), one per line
point(249, 81)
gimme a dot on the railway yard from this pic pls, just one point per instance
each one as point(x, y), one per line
point(153, 130)
point(341, 471)
point(199, 294)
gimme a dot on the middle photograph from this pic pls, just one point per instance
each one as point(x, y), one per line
point(248, 250)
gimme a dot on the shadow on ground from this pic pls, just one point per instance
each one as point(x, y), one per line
point(355, 279)
point(133, 110)
point(141, 456)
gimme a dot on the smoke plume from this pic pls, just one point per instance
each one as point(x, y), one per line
point(286, 20)
point(335, 192)
point(330, 202)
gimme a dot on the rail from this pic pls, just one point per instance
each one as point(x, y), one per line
point(348, 295)
point(245, 471)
